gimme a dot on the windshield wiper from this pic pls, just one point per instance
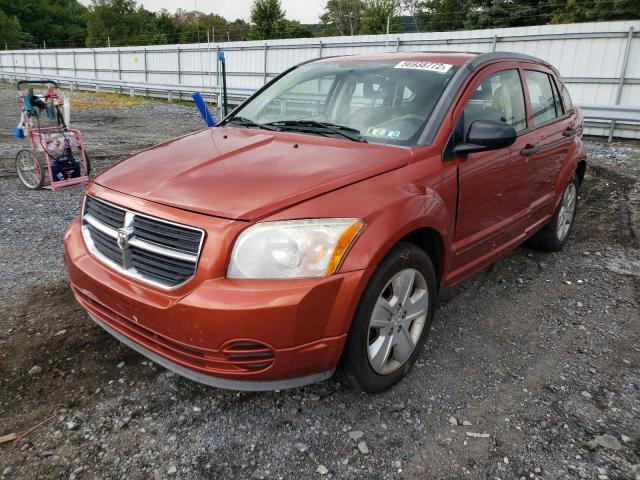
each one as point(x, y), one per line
point(320, 128)
point(247, 122)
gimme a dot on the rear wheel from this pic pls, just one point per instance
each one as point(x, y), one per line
point(30, 169)
point(554, 234)
point(392, 321)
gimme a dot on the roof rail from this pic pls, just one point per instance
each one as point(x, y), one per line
point(446, 52)
point(489, 57)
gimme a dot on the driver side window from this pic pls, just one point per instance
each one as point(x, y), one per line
point(499, 97)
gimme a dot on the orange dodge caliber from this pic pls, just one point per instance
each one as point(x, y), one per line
point(313, 229)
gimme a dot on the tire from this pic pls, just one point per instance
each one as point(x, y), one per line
point(371, 336)
point(30, 169)
point(552, 237)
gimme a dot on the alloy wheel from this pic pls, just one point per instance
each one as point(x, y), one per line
point(397, 321)
point(567, 211)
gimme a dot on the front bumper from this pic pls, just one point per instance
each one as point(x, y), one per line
point(237, 334)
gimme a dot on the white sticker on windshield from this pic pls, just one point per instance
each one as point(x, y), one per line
point(428, 66)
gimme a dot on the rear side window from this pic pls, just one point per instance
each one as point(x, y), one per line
point(499, 97)
point(544, 98)
point(566, 98)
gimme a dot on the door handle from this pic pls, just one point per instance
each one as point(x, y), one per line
point(530, 149)
point(569, 132)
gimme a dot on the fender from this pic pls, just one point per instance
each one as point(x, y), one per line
point(394, 204)
point(388, 225)
point(576, 155)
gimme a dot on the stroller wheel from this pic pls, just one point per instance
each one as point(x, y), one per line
point(30, 169)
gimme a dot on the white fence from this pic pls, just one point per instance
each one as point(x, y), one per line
point(600, 62)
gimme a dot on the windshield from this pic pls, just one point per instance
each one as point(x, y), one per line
point(380, 102)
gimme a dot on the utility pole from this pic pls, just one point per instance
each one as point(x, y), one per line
point(195, 8)
point(208, 62)
point(228, 37)
point(386, 42)
point(44, 43)
point(109, 41)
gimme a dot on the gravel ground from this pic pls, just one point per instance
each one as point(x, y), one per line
point(531, 370)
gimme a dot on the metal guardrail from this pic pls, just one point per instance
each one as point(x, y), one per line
point(611, 113)
point(134, 88)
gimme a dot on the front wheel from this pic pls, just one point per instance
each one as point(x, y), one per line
point(392, 321)
point(30, 169)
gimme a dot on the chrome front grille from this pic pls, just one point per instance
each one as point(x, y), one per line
point(158, 252)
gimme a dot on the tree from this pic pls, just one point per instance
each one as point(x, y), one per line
point(10, 34)
point(293, 29)
point(266, 15)
point(568, 11)
point(165, 28)
point(123, 22)
point(443, 15)
point(238, 29)
point(67, 23)
point(193, 25)
point(342, 17)
point(378, 13)
point(61, 23)
point(509, 13)
point(110, 20)
point(184, 17)
point(413, 8)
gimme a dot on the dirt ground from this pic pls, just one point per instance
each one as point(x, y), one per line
point(531, 370)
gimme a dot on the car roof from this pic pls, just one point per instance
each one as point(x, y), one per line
point(453, 58)
point(472, 60)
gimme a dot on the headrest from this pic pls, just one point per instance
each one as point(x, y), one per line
point(371, 92)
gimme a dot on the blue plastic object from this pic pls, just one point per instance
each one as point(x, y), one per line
point(221, 56)
point(204, 111)
point(18, 132)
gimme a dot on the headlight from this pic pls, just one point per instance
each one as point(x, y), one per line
point(293, 248)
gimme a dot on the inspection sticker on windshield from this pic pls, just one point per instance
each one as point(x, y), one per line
point(428, 66)
point(382, 132)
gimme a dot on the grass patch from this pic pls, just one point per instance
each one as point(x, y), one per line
point(103, 100)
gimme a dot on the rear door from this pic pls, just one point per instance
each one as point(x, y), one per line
point(493, 203)
point(555, 131)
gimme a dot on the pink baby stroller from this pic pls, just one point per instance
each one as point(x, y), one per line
point(55, 148)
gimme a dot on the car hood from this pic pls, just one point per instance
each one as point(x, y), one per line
point(246, 174)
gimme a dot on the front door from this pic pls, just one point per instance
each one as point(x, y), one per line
point(493, 204)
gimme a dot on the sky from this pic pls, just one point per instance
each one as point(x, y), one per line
point(305, 11)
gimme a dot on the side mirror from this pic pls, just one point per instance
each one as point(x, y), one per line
point(487, 135)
